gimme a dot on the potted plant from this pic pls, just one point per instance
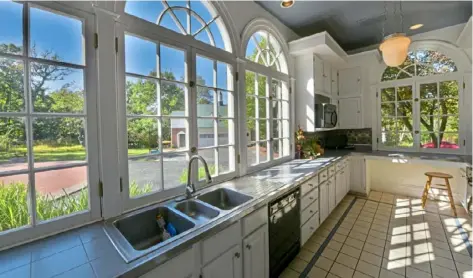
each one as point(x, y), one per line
point(300, 138)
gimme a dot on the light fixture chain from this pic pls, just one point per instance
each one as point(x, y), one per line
point(385, 18)
point(402, 17)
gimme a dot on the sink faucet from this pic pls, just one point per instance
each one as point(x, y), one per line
point(190, 188)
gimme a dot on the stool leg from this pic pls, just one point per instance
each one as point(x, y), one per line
point(426, 191)
point(450, 196)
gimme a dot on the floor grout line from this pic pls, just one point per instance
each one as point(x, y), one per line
point(317, 254)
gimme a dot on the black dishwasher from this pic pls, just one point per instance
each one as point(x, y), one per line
point(284, 231)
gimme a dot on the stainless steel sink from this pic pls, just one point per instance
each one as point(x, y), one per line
point(141, 230)
point(197, 210)
point(224, 198)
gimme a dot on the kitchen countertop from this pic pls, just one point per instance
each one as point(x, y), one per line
point(87, 251)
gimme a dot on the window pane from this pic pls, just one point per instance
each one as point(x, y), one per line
point(405, 140)
point(144, 174)
point(174, 133)
point(277, 129)
point(262, 108)
point(286, 147)
point(175, 170)
point(387, 94)
point(58, 141)
point(263, 152)
point(277, 149)
point(180, 14)
point(205, 102)
point(429, 123)
point(250, 82)
point(142, 136)
point(196, 25)
point(47, 29)
point(428, 140)
point(429, 107)
point(449, 141)
point(404, 124)
point(224, 76)
point(388, 139)
point(61, 192)
point(57, 89)
point(204, 36)
point(13, 152)
point(173, 99)
point(449, 123)
point(250, 107)
point(11, 30)
point(262, 91)
point(141, 96)
point(388, 109)
point(251, 154)
point(205, 71)
point(209, 155)
point(147, 10)
point(285, 129)
point(173, 63)
point(404, 109)
point(388, 124)
point(201, 7)
point(428, 90)
point(12, 97)
point(223, 132)
point(168, 22)
point(285, 109)
point(448, 106)
point(222, 106)
point(224, 155)
point(216, 33)
point(263, 132)
point(448, 89)
point(140, 56)
point(14, 212)
point(206, 132)
point(277, 109)
point(251, 130)
point(404, 93)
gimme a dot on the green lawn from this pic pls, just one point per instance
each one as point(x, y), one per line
point(44, 153)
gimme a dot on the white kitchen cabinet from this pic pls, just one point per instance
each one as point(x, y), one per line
point(324, 201)
point(319, 83)
point(334, 77)
point(349, 82)
point(346, 172)
point(349, 113)
point(255, 254)
point(327, 78)
point(332, 200)
point(180, 266)
point(228, 264)
point(358, 175)
point(339, 186)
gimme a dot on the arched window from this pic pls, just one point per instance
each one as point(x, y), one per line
point(267, 100)
point(198, 19)
point(419, 104)
point(264, 49)
point(420, 63)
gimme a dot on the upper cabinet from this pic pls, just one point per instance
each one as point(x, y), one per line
point(322, 76)
point(349, 82)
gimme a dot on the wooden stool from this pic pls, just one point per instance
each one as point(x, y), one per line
point(428, 184)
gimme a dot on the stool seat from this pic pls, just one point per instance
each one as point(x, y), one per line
point(438, 175)
point(446, 186)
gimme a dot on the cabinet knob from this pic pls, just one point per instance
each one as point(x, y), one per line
point(310, 184)
point(312, 228)
point(312, 198)
point(248, 246)
point(237, 255)
point(311, 211)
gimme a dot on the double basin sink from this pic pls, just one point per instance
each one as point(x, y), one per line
point(137, 234)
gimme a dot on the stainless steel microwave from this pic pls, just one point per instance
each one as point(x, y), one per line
point(325, 115)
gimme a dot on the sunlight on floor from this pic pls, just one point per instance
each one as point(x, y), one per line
point(390, 236)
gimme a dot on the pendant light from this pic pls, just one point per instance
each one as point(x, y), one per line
point(395, 46)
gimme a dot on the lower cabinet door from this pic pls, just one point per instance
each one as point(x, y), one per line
point(332, 203)
point(180, 266)
point(255, 254)
point(228, 264)
point(324, 201)
point(339, 186)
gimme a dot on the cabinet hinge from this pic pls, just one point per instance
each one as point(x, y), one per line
point(237, 77)
point(463, 85)
point(238, 159)
point(100, 188)
point(376, 93)
point(377, 140)
point(96, 40)
point(121, 184)
point(464, 142)
point(116, 45)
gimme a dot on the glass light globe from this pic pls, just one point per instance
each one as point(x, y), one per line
point(394, 49)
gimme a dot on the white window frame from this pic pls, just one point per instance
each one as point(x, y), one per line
point(56, 225)
point(140, 27)
point(415, 83)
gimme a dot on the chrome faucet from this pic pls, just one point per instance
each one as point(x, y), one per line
point(190, 188)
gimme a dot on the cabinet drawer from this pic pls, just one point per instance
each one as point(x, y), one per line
point(323, 175)
point(254, 221)
point(309, 185)
point(309, 198)
point(331, 170)
point(309, 228)
point(180, 266)
point(217, 244)
point(309, 211)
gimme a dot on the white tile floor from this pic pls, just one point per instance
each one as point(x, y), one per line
point(389, 236)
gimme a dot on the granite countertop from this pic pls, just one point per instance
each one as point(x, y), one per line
point(88, 252)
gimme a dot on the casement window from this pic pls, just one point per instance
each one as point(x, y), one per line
point(420, 104)
point(48, 130)
point(178, 98)
point(267, 101)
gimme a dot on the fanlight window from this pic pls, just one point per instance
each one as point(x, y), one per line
point(198, 19)
point(264, 49)
point(420, 63)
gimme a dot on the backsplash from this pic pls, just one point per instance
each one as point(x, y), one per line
point(355, 136)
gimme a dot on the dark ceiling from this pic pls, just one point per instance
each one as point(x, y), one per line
point(357, 24)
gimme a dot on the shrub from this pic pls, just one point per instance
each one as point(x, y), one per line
point(183, 177)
